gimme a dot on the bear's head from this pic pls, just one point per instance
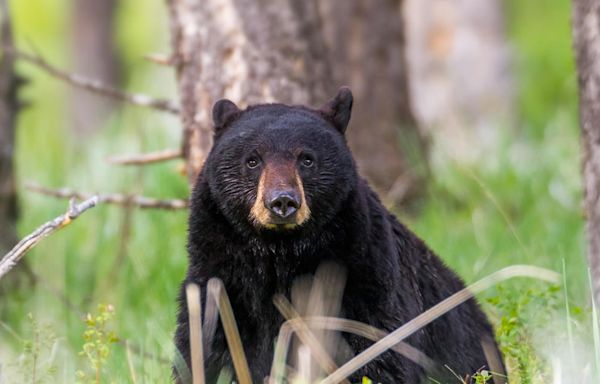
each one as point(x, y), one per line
point(281, 168)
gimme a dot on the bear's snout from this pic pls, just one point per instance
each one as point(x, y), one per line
point(284, 204)
point(280, 202)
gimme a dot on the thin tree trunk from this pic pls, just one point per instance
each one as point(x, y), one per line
point(367, 50)
point(250, 51)
point(586, 36)
point(10, 83)
point(95, 56)
point(459, 71)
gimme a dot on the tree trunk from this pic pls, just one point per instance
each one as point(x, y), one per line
point(249, 51)
point(9, 107)
point(459, 74)
point(10, 83)
point(95, 56)
point(586, 35)
point(367, 50)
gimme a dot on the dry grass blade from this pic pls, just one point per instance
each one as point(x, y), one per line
point(192, 293)
point(12, 258)
point(304, 364)
point(436, 311)
point(112, 198)
point(494, 361)
point(146, 158)
point(94, 85)
point(305, 334)
point(278, 366)
point(236, 349)
point(211, 315)
point(130, 363)
point(341, 325)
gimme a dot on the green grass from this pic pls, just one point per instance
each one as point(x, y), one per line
point(520, 205)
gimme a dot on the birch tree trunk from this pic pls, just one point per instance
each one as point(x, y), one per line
point(249, 51)
point(586, 35)
point(366, 46)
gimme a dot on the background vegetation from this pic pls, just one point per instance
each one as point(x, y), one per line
point(520, 205)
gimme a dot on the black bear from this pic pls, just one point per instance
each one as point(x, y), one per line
point(278, 195)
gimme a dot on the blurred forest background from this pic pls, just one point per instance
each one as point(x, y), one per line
point(473, 106)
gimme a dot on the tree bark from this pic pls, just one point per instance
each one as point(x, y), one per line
point(95, 56)
point(9, 106)
point(586, 36)
point(10, 83)
point(249, 51)
point(366, 46)
point(459, 71)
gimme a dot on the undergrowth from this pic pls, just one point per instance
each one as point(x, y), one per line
point(519, 205)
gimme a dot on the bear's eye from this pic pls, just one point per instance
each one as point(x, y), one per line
point(252, 162)
point(307, 161)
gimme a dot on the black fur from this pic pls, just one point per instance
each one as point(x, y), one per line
point(391, 274)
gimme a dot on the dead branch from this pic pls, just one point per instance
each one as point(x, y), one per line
point(164, 60)
point(146, 158)
point(12, 258)
point(112, 198)
point(93, 85)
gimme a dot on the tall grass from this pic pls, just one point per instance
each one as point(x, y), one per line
point(519, 205)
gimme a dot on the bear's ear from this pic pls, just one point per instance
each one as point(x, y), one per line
point(338, 109)
point(222, 113)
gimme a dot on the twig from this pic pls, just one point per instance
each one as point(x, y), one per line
point(192, 294)
point(12, 258)
point(146, 158)
point(164, 60)
point(112, 198)
point(434, 312)
point(93, 85)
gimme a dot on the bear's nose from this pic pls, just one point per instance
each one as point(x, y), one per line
point(284, 204)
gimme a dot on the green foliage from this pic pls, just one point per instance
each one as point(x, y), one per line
point(98, 338)
point(36, 363)
point(482, 377)
point(520, 313)
point(520, 205)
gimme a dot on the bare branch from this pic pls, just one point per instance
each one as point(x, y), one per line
point(112, 198)
point(12, 258)
point(146, 158)
point(94, 85)
point(167, 61)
